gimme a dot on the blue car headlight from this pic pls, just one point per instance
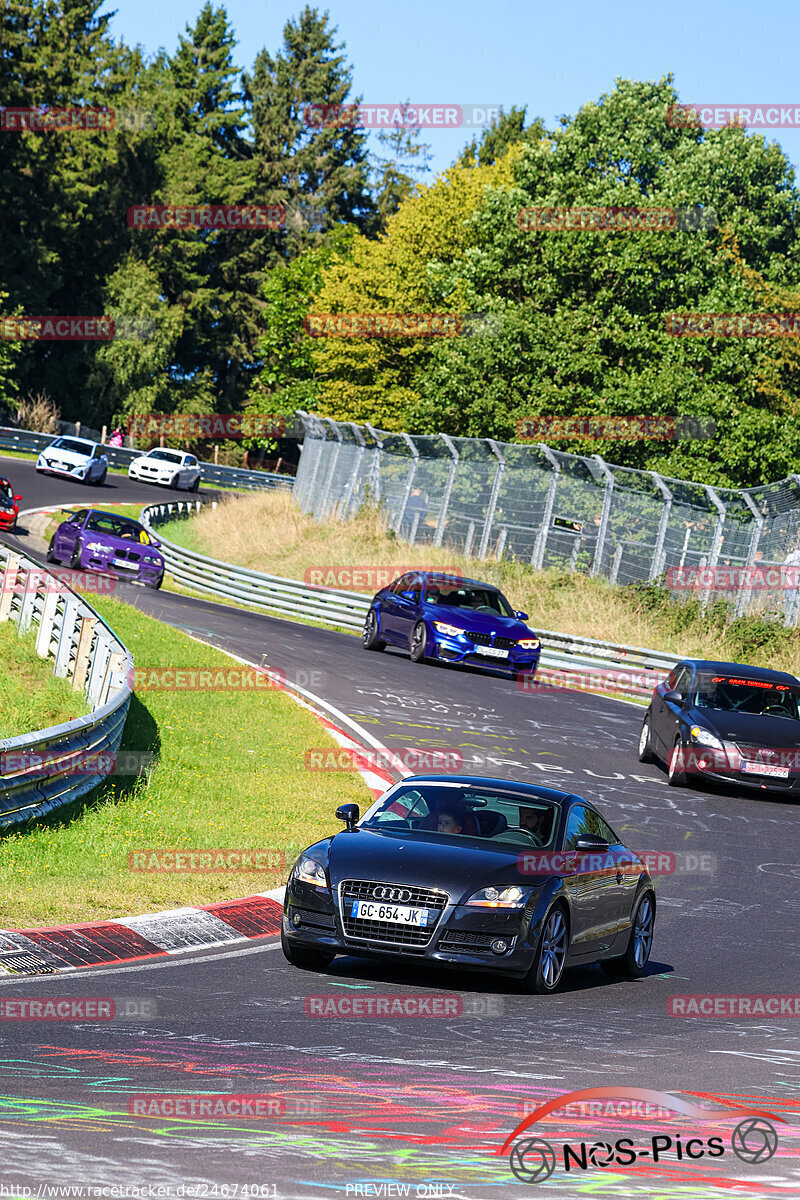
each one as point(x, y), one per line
point(447, 630)
point(529, 644)
point(704, 737)
point(308, 870)
point(509, 897)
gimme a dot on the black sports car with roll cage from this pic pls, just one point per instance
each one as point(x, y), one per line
point(473, 873)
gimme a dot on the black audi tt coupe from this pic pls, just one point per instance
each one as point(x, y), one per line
point(726, 722)
point(473, 873)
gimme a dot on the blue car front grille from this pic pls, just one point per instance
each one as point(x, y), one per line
point(485, 639)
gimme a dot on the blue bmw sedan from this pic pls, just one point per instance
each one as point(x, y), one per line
point(452, 620)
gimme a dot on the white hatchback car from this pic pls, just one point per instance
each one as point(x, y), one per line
point(170, 468)
point(75, 458)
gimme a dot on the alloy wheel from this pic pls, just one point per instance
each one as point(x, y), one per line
point(643, 932)
point(554, 948)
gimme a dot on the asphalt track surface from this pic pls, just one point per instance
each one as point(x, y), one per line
point(369, 1106)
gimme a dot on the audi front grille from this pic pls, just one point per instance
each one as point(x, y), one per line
point(388, 933)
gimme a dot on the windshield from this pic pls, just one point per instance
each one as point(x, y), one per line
point(760, 697)
point(165, 455)
point(456, 811)
point(115, 526)
point(472, 596)
point(5, 501)
point(72, 445)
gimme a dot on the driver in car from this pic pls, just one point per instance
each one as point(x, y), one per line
point(536, 821)
point(451, 819)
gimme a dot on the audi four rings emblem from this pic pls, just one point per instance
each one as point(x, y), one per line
point(399, 895)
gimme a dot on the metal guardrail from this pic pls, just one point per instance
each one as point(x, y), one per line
point(347, 610)
point(123, 456)
point(46, 769)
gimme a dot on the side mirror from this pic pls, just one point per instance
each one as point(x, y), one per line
point(407, 595)
point(521, 616)
point(348, 813)
point(154, 541)
point(18, 497)
point(673, 696)
point(592, 841)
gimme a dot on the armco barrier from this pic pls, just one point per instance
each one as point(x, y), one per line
point(122, 456)
point(347, 610)
point(88, 652)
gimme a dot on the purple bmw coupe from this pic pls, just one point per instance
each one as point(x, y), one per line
point(103, 541)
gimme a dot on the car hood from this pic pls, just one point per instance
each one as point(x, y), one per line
point(118, 543)
point(421, 860)
point(160, 463)
point(475, 622)
point(748, 727)
point(67, 456)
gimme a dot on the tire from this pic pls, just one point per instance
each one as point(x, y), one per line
point(306, 958)
point(155, 586)
point(645, 744)
point(50, 555)
point(370, 638)
point(419, 639)
point(676, 776)
point(633, 962)
point(75, 557)
point(173, 483)
point(99, 482)
point(547, 971)
point(196, 485)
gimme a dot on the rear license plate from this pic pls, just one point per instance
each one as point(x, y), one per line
point(127, 566)
point(757, 768)
point(370, 910)
point(492, 652)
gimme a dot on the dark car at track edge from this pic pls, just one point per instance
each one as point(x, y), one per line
point(726, 722)
point(449, 619)
point(476, 874)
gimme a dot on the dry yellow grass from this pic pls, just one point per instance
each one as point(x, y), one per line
point(266, 531)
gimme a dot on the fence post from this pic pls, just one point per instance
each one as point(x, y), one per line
point(716, 541)
point(745, 592)
point(45, 634)
point(401, 512)
point(374, 484)
point(448, 489)
point(322, 511)
point(69, 621)
point(495, 492)
point(79, 678)
point(350, 507)
point(597, 561)
point(9, 583)
point(657, 565)
point(616, 564)
point(537, 558)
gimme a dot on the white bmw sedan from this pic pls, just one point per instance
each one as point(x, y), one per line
point(170, 468)
point(75, 458)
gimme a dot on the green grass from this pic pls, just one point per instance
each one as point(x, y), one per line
point(31, 697)
point(231, 774)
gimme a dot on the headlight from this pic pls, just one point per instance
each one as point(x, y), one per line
point(98, 547)
point(704, 738)
point(492, 897)
point(310, 872)
point(529, 644)
point(150, 559)
point(449, 630)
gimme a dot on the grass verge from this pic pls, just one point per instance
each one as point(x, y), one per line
point(231, 774)
point(30, 695)
point(268, 532)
